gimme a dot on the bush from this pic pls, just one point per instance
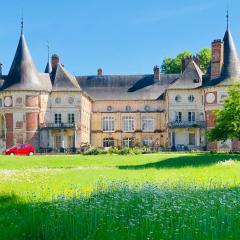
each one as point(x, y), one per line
point(95, 151)
point(125, 151)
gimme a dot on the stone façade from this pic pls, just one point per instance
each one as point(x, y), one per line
point(57, 110)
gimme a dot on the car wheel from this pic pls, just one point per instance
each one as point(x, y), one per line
point(31, 153)
point(11, 154)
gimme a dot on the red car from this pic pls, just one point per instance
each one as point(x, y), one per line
point(21, 149)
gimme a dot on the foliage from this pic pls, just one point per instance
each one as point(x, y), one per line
point(227, 124)
point(121, 210)
point(117, 150)
point(167, 196)
point(95, 151)
point(205, 58)
point(174, 65)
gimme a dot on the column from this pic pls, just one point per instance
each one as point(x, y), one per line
point(62, 138)
point(74, 138)
point(198, 137)
point(50, 138)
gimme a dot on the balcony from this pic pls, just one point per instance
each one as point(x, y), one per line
point(57, 125)
point(186, 124)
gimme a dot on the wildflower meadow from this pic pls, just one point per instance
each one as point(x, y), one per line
point(153, 196)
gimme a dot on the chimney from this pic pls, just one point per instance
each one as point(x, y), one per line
point(156, 72)
point(100, 72)
point(185, 62)
point(196, 60)
point(55, 61)
point(217, 58)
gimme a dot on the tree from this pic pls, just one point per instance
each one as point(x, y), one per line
point(174, 65)
point(227, 124)
point(205, 58)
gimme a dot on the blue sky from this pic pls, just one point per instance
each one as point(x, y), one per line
point(122, 37)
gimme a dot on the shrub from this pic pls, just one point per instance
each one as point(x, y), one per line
point(95, 151)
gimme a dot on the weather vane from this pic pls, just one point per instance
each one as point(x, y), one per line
point(227, 16)
point(22, 22)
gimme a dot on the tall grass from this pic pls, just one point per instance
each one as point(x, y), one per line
point(124, 211)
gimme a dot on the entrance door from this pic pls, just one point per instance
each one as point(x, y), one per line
point(57, 141)
point(192, 139)
point(70, 141)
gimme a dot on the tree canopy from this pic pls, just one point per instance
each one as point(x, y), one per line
point(227, 124)
point(174, 65)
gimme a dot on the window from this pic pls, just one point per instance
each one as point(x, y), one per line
point(58, 118)
point(109, 108)
point(71, 118)
point(147, 108)
point(57, 141)
point(1, 102)
point(70, 100)
point(108, 124)
point(192, 139)
point(70, 141)
point(147, 141)
point(108, 142)
point(128, 108)
point(128, 124)
point(147, 124)
point(191, 116)
point(178, 98)
point(128, 142)
point(191, 98)
point(57, 100)
point(178, 117)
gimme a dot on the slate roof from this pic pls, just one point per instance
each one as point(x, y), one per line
point(231, 67)
point(48, 68)
point(23, 74)
point(125, 87)
point(63, 80)
point(191, 77)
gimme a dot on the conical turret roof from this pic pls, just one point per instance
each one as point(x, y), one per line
point(231, 66)
point(23, 74)
point(48, 68)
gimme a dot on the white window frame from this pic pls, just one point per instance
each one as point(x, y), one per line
point(128, 142)
point(178, 117)
point(71, 118)
point(108, 142)
point(108, 124)
point(148, 141)
point(191, 117)
point(147, 124)
point(58, 118)
point(128, 124)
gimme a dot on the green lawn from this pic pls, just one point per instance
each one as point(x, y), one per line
point(155, 196)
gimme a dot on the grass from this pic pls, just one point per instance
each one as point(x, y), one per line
point(157, 196)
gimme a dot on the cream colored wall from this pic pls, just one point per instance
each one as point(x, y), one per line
point(137, 112)
point(86, 109)
point(185, 106)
